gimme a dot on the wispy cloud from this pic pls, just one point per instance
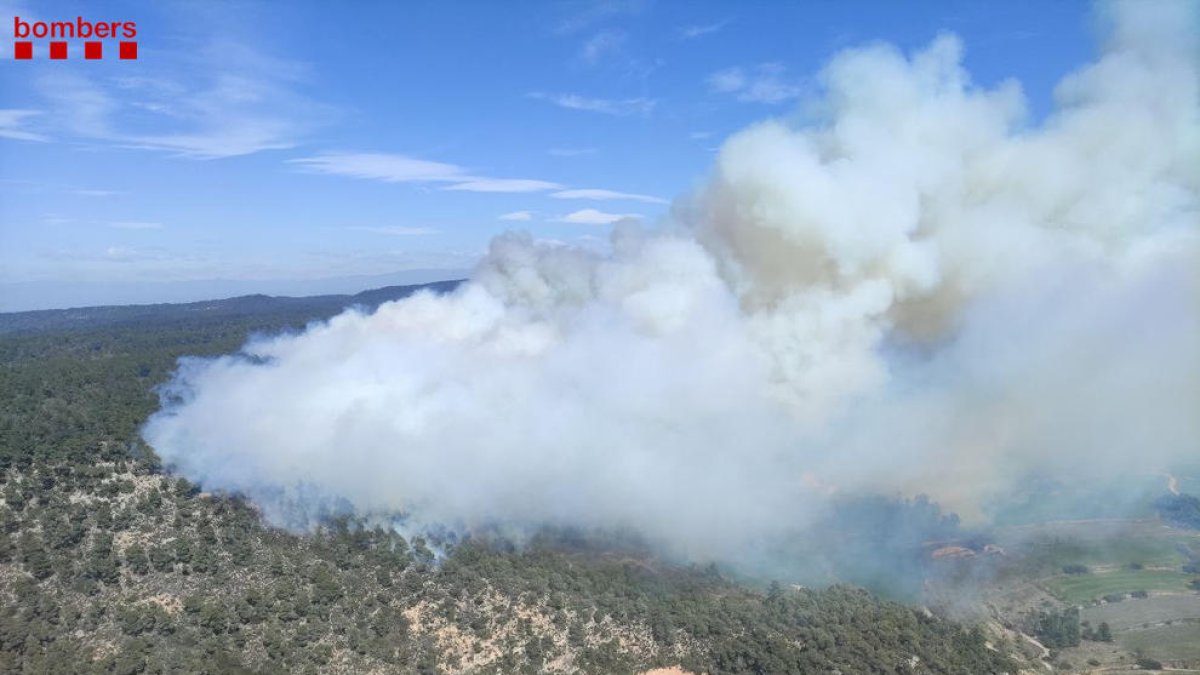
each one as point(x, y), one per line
point(517, 215)
point(607, 195)
point(583, 14)
point(394, 230)
point(693, 31)
point(136, 225)
point(602, 44)
point(764, 83)
point(121, 254)
point(728, 81)
point(222, 100)
point(388, 168)
point(391, 168)
point(700, 135)
point(618, 107)
point(595, 217)
point(504, 185)
point(78, 105)
point(96, 193)
point(13, 125)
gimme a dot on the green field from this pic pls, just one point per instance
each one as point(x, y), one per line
point(1110, 549)
point(1133, 613)
point(1180, 642)
point(1081, 588)
point(1121, 557)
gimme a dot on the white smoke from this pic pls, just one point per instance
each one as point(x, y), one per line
point(914, 290)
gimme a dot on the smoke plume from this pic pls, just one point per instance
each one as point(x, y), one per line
point(911, 288)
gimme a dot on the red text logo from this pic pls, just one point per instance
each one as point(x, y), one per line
point(56, 33)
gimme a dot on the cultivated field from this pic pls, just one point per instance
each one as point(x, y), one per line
point(1084, 588)
point(1180, 642)
point(1078, 563)
point(1136, 613)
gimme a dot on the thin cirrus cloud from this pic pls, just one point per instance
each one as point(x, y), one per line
point(121, 254)
point(504, 185)
point(584, 15)
point(380, 166)
point(595, 217)
point(694, 31)
point(223, 100)
point(607, 195)
point(601, 45)
point(13, 125)
point(392, 168)
point(764, 83)
point(608, 106)
point(609, 49)
point(516, 216)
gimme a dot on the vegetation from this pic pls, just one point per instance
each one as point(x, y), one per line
point(1086, 547)
point(1176, 643)
point(884, 543)
point(1113, 586)
point(1180, 510)
point(1101, 633)
point(108, 564)
point(1055, 629)
point(1147, 663)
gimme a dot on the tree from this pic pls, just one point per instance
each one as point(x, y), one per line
point(136, 559)
point(102, 564)
point(33, 554)
point(1056, 629)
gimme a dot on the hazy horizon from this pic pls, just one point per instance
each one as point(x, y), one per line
point(50, 295)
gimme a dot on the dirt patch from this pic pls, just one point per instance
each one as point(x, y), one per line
point(952, 552)
point(171, 604)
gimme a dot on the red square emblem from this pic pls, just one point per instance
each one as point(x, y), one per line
point(93, 50)
point(129, 50)
point(22, 50)
point(58, 50)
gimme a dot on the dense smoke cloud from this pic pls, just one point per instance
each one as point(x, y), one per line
point(914, 290)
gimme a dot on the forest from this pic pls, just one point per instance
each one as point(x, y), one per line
point(110, 564)
point(1180, 510)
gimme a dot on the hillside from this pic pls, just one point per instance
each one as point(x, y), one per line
point(276, 307)
point(109, 564)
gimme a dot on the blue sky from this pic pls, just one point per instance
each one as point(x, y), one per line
point(266, 143)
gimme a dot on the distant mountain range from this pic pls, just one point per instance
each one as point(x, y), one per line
point(21, 296)
point(241, 306)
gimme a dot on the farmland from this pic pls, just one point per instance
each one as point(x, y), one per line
point(1084, 588)
point(1179, 642)
point(1136, 613)
point(1091, 569)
